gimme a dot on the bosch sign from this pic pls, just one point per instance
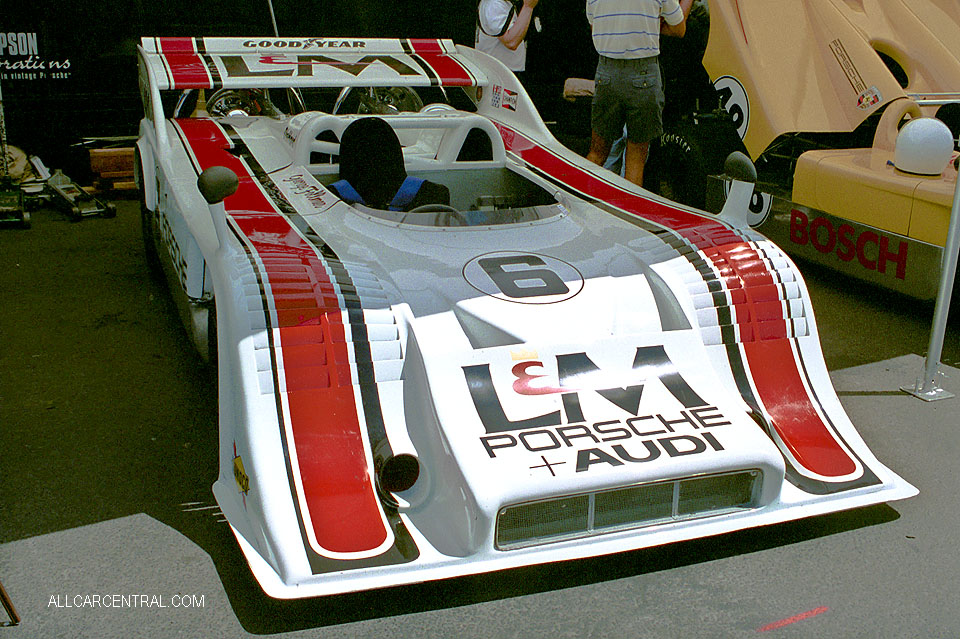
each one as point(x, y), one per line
point(873, 251)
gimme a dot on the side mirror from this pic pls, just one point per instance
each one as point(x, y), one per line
point(738, 166)
point(742, 174)
point(217, 184)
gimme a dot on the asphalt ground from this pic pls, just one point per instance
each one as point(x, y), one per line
point(108, 452)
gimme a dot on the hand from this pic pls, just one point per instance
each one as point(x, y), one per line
point(530, 3)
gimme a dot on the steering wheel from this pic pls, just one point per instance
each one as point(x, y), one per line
point(227, 102)
point(377, 100)
point(445, 213)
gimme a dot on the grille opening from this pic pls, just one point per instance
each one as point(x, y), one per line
point(546, 519)
point(623, 507)
point(589, 514)
point(720, 492)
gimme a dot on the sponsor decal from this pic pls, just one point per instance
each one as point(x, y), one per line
point(734, 100)
point(502, 97)
point(21, 58)
point(304, 192)
point(307, 43)
point(873, 251)
point(170, 241)
point(240, 475)
point(591, 425)
point(509, 100)
point(283, 65)
point(868, 98)
point(651, 437)
point(526, 278)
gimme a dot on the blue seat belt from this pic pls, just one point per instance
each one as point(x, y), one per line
point(405, 194)
point(347, 193)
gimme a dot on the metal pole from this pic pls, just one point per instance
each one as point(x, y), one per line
point(927, 387)
point(273, 18)
point(8, 606)
point(293, 95)
point(3, 139)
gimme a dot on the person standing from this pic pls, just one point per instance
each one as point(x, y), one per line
point(629, 87)
point(502, 27)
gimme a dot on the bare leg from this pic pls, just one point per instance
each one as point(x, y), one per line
point(599, 148)
point(636, 158)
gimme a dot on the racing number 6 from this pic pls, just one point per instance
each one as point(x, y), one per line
point(524, 279)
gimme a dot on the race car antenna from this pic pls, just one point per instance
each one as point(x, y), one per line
point(273, 18)
point(293, 95)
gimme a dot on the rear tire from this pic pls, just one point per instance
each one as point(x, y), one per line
point(212, 358)
point(148, 228)
point(675, 170)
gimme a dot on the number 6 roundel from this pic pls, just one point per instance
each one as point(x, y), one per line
point(523, 277)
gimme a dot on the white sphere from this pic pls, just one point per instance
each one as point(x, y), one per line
point(924, 147)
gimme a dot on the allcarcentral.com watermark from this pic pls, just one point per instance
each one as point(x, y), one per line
point(108, 600)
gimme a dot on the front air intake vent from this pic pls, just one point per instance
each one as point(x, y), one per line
point(589, 514)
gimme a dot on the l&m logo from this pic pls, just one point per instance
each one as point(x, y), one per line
point(573, 370)
point(600, 438)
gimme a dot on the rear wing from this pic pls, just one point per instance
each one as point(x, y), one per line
point(246, 63)
point(177, 64)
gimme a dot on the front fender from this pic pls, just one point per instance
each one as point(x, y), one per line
point(145, 172)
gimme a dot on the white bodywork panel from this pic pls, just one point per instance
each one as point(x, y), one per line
point(577, 366)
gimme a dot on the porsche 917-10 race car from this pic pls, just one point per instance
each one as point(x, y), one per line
point(446, 344)
point(819, 105)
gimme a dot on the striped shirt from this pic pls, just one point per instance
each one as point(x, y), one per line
point(630, 28)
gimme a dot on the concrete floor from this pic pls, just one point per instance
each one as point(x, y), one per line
point(108, 451)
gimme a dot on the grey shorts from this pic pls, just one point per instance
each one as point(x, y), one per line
point(628, 92)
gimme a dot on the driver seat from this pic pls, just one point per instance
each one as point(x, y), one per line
point(372, 172)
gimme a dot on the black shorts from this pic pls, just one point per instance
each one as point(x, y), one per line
point(628, 91)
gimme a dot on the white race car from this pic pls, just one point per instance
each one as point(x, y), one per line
point(448, 345)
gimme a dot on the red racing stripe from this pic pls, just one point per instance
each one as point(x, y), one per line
point(187, 69)
point(792, 414)
point(447, 68)
point(338, 496)
point(780, 387)
point(755, 299)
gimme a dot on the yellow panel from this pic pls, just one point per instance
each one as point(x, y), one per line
point(805, 180)
point(929, 222)
point(931, 209)
point(802, 64)
point(857, 185)
point(811, 65)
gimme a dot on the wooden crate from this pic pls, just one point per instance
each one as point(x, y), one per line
point(113, 169)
